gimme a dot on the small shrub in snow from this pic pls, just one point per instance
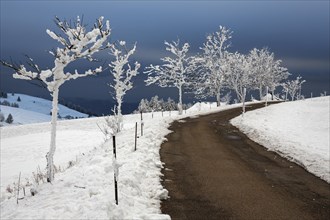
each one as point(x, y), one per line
point(19, 99)
point(10, 119)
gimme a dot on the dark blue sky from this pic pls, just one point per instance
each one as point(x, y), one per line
point(296, 31)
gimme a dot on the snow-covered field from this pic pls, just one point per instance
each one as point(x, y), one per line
point(33, 110)
point(297, 130)
point(84, 189)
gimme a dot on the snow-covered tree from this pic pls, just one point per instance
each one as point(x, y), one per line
point(143, 105)
point(238, 74)
point(122, 73)
point(170, 104)
point(76, 43)
point(155, 103)
point(211, 75)
point(293, 87)
point(267, 71)
point(261, 62)
point(174, 72)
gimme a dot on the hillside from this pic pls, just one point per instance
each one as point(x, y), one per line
point(34, 110)
point(297, 130)
point(84, 187)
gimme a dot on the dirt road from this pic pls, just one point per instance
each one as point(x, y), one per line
point(213, 171)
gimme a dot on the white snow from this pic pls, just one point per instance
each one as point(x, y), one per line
point(40, 106)
point(22, 116)
point(85, 190)
point(297, 130)
point(23, 148)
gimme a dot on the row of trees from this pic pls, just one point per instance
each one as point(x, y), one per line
point(156, 104)
point(205, 74)
point(215, 69)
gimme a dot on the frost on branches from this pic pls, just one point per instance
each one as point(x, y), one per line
point(122, 72)
point(239, 75)
point(76, 43)
point(293, 88)
point(174, 72)
point(211, 76)
point(268, 71)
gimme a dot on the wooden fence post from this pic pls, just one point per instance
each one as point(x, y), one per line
point(115, 168)
point(141, 125)
point(135, 135)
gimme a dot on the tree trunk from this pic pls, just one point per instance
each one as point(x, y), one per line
point(119, 102)
point(50, 154)
point(180, 100)
point(239, 95)
point(260, 92)
point(244, 94)
point(218, 97)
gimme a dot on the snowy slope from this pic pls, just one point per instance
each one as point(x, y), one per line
point(297, 130)
point(22, 116)
point(86, 189)
point(23, 149)
point(34, 104)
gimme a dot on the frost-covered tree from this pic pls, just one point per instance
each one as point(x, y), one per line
point(171, 105)
point(155, 103)
point(267, 71)
point(238, 76)
point(261, 62)
point(293, 87)
point(76, 43)
point(276, 76)
point(143, 106)
point(211, 77)
point(122, 73)
point(174, 72)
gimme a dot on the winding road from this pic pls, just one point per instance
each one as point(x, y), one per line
point(213, 171)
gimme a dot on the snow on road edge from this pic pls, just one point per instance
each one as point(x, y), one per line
point(298, 130)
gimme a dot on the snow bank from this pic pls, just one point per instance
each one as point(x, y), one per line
point(85, 190)
point(297, 130)
point(203, 106)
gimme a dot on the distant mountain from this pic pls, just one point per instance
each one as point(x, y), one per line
point(32, 109)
